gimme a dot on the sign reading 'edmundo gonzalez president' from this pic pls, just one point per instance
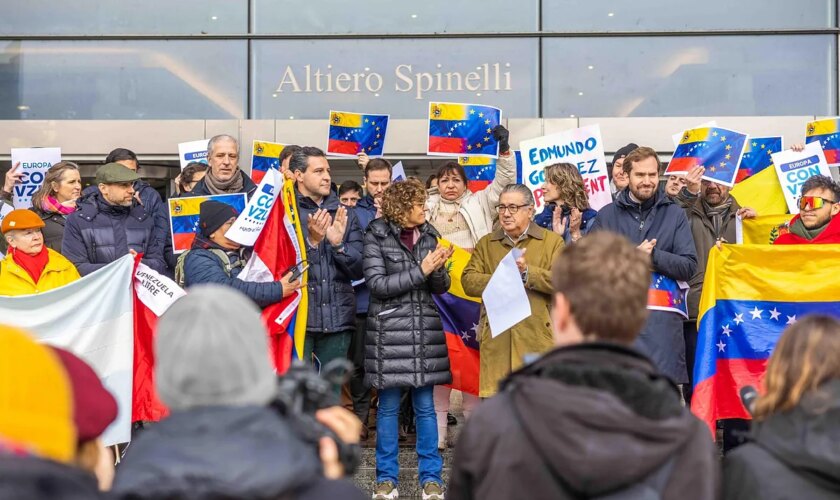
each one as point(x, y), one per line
point(581, 147)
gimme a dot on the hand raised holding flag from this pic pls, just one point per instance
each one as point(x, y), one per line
point(693, 179)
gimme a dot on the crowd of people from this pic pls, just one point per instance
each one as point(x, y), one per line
point(600, 413)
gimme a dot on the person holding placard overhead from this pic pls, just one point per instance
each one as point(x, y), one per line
point(504, 353)
point(463, 217)
point(659, 227)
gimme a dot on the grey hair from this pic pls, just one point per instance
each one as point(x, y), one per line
point(220, 138)
point(522, 189)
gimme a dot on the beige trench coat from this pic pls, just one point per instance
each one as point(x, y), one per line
point(503, 354)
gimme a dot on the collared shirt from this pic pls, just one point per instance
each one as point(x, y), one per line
point(533, 231)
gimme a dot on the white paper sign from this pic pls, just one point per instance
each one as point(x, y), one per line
point(189, 152)
point(795, 168)
point(34, 163)
point(398, 172)
point(251, 221)
point(581, 147)
point(505, 298)
point(155, 290)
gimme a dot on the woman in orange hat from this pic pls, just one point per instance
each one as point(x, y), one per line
point(30, 267)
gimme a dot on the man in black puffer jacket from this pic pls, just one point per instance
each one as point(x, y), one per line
point(216, 259)
point(334, 251)
point(110, 223)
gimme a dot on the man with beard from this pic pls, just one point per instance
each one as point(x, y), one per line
point(817, 221)
point(224, 175)
point(658, 226)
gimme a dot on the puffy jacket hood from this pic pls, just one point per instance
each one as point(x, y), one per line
point(32, 478)
point(608, 411)
point(806, 438)
point(245, 452)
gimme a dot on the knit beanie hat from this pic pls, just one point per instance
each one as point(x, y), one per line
point(621, 153)
point(212, 215)
point(211, 349)
point(36, 400)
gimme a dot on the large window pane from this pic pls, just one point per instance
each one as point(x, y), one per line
point(622, 15)
point(305, 79)
point(123, 80)
point(97, 17)
point(390, 16)
point(690, 76)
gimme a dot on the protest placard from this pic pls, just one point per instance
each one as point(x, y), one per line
point(265, 156)
point(718, 150)
point(184, 216)
point(251, 221)
point(793, 169)
point(354, 133)
point(582, 147)
point(189, 152)
point(457, 129)
point(827, 134)
point(34, 163)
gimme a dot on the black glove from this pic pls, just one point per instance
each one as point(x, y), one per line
point(502, 136)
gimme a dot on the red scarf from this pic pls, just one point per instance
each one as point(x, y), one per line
point(33, 264)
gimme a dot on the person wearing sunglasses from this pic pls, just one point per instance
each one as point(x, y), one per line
point(817, 222)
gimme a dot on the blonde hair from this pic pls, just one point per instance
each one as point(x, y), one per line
point(54, 174)
point(399, 199)
point(569, 183)
point(805, 358)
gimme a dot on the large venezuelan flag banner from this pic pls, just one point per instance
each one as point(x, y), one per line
point(460, 314)
point(762, 192)
point(184, 212)
point(827, 133)
point(462, 129)
point(762, 230)
point(750, 294)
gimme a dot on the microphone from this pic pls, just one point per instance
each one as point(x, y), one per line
point(748, 397)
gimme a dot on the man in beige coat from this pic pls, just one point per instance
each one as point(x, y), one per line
point(504, 353)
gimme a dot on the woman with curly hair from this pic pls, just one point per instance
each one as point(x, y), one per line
point(405, 345)
point(795, 443)
point(567, 210)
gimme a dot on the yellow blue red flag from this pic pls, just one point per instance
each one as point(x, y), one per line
point(827, 133)
point(354, 133)
point(718, 150)
point(184, 212)
point(265, 156)
point(762, 192)
point(750, 294)
point(457, 129)
point(757, 156)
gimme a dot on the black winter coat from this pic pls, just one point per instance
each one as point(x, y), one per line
point(584, 421)
point(32, 478)
point(366, 211)
point(203, 266)
point(332, 302)
point(794, 454)
point(200, 189)
point(98, 233)
point(659, 218)
point(405, 345)
point(232, 453)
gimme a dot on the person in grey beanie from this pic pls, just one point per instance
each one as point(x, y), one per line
point(222, 440)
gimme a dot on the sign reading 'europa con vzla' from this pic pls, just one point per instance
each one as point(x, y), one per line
point(486, 77)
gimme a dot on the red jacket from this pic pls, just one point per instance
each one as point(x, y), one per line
point(831, 234)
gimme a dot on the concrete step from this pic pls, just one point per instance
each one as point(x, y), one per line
point(409, 486)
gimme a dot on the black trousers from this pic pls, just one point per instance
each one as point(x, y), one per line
point(359, 391)
point(690, 337)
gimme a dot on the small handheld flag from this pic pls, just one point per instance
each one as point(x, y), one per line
point(462, 129)
point(266, 155)
point(827, 133)
point(184, 212)
point(718, 150)
point(354, 133)
point(757, 156)
point(480, 171)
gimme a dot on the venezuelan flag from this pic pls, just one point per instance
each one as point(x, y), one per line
point(717, 149)
point(460, 315)
point(184, 212)
point(762, 230)
point(757, 156)
point(462, 129)
point(666, 294)
point(480, 171)
point(761, 192)
point(265, 155)
point(353, 133)
point(827, 133)
point(750, 294)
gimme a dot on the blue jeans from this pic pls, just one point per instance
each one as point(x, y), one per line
point(430, 464)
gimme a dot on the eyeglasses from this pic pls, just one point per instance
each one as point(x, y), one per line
point(512, 209)
point(813, 202)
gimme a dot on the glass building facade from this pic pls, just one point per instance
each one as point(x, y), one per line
point(297, 59)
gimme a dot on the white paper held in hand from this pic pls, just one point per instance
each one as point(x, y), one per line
point(505, 298)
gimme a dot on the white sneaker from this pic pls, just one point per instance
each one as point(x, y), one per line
point(432, 491)
point(385, 491)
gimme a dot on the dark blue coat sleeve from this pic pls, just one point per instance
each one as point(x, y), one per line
point(681, 262)
point(158, 208)
point(350, 260)
point(73, 247)
point(201, 266)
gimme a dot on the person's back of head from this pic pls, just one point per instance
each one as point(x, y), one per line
point(600, 290)
point(212, 350)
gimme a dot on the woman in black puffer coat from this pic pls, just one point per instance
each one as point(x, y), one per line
point(405, 343)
